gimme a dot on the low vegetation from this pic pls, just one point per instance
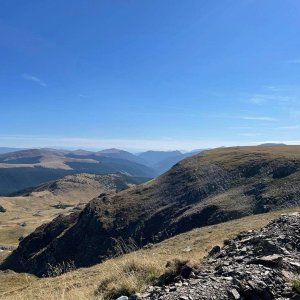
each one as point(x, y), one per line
point(45, 202)
point(296, 284)
point(131, 272)
point(209, 188)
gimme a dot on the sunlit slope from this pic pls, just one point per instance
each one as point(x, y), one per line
point(208, 188)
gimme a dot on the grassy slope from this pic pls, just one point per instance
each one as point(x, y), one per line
point(192, 185)
point(209, 188)
point(37, 207)
point(188, 176)
point(132, 271)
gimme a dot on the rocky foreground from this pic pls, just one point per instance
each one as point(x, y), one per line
point(255, 265)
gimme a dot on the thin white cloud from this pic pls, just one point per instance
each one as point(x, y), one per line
point(240, 127)
point(267, 119)
point(293, 61)
point(292, 127)
point(82, 95)
point(249, 134)
point(273, 88)
point(295, 114)
point(34, 79)
point(264, 98)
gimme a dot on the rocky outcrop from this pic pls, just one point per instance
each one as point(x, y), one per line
point(2, 209)
point(254, 265)
point(39, 240)
point(208, 188)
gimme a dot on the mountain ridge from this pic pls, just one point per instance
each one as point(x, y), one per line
point(33, 207)
point(211, 187)
point(30, 167)
point(27, 168)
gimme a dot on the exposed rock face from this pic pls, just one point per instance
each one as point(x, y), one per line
point(254, 265)
point(208, 188)
point(2, 209)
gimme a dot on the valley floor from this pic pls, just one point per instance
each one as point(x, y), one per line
point(131, 272)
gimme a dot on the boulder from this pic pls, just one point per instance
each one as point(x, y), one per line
point(215, 250)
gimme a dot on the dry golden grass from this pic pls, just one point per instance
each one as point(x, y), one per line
point(37, 208)
point(30, 212)
point(235, 156)
point(130, 272)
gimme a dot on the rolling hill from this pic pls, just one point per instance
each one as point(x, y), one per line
point(27, 168)
point(9, 149)
point(211, 187)
point(160, 161)
point(30, 208)
point(121, 154)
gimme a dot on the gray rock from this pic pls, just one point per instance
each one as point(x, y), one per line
point(235, 294)
point(215, 250)
point(269, 260)
point(123, 298)
point(254, 265)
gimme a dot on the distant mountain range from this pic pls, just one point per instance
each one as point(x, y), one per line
point(8, 149)
point(162, 161)
point(27, 168)
point(209, 188)
point(159, 161)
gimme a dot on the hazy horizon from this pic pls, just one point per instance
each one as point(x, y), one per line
point(142, 149)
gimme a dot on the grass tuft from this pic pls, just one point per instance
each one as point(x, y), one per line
point(59, 269)
point(174, 269)
point(128, 277)
point(296, 285)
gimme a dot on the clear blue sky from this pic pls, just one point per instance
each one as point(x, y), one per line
point(159, 74)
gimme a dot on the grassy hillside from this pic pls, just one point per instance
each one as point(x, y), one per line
point(209, 188)
point(29, 209)
point(131, 272)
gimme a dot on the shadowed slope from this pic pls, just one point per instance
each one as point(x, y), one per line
point(30, 208)
point(208, 188)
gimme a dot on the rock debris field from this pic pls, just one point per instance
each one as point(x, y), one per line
point(262, 264)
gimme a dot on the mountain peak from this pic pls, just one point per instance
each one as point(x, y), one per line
point(111, 150)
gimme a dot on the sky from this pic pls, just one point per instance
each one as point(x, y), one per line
point(159, 74)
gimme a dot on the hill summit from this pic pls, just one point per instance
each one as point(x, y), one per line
point(208, 188)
